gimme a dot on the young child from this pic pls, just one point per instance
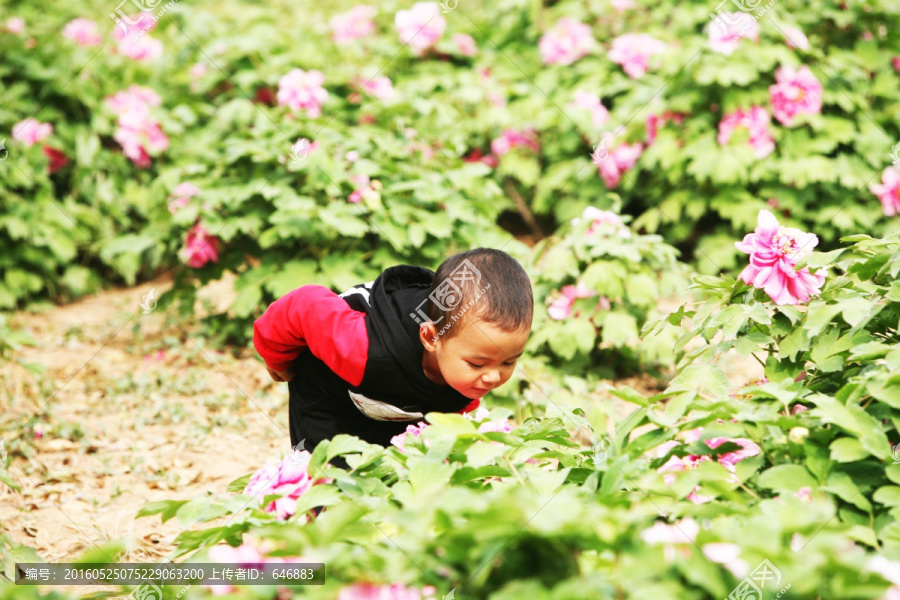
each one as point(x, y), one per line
point(381, 355)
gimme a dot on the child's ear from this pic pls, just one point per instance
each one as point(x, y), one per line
point(428, 335)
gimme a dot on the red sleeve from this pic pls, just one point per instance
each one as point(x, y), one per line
point(313, 317)
point(471, 406)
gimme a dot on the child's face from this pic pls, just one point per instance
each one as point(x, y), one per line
point(478, 359)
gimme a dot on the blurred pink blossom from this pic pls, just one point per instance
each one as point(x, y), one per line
point(655, 122)
point(591, 102)
point(561, 308)
point(477, 156)
point(181, 195)
point(896, 62)
point(420, 26)
point(512, 138)
point(83, 32)
point(200, 247)
point(140, 137)
point(465, 45)
point(774, 250)
point(31, 131)
point(302, 90)
point(15, 25)
point(612, 166)
point(144, 48)
point(566, 42)
point(622, 5)
point(132, 25)
point(415, 430)
point(57, 158)
point(198, 70)
point(795, 38)
point(633, 52)
point(797, 91)
point(888, 191)
point(728, 555)
point(683, 532)
point(357, 23)
point(755, 121)
point(603, 220)
point(396, 591)
point(135, 99)
point(726, 31)
point(289, 479)
point(380, 87)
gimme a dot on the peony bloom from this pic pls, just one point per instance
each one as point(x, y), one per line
point(135, 99)
point(58, 160)
point(683, 532)
point(421, 26)
point(30, 131)
point(142, 49)
point(603, 220)
point(728, 555)
point(140, 137)
point(795, 38)
point(15, 25)
point(512, 138)
point(561, 308)
point(357, 23)
point(756, 121)
point(198, 70)
point(774, 250)
point(397, 591)
point(181, 195)
point(633, 52)
point(654, 122)
point(796, 92)
point(566, 42)
point(465, 45)
point(591, 102)
point(622, 5)
point(416, 430)
point(289, 479)
point(888, 191)
point(380, 87)
point(200, 247)
point(613, 164)
point(300, 89)
point(129, 27)
point(476, 155)
point(83, 32)
point(726, 31)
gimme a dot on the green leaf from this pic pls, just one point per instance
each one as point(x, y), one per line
point(846, 449)
point(889, 495)
point(787, 478)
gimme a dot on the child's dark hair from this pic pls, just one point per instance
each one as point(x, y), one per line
point(483, 282)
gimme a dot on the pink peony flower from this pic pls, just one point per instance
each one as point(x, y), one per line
point(30, 131)
point(622, 5)
point(512, 138)
point(300, 89)
point(140, 137)
point(421, 26)
point(654, 122)
point(591, 102)
point(683, 532)
point(181, 196)
point(566, 42)
point(896, 63)
point(465, 45)
point(289, 479)
point(795, 38)
point(633, 52)
point(727, 30)
point(396, 591)
point(756, 121)
point(603, 220)
point(141, 49)
point(200, 247)
point(774, 250)
point(380, 87)
point(15, 25)
point(135, 99)
point(83, 32)
point(477, 156)
point(357, 23)
point(728, 555)
point(501, 425)
point(415, 430)
point(561, 308)
point(198, 70)
point(888, 191)
point(796, 92)
point(613, 164)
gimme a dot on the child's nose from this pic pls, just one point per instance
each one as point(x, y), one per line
point(491, 377)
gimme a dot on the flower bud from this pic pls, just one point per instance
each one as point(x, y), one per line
point(798, 434)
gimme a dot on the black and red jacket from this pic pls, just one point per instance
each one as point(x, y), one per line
point(356, 358)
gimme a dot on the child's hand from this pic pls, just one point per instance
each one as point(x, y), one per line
point(280, 376)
